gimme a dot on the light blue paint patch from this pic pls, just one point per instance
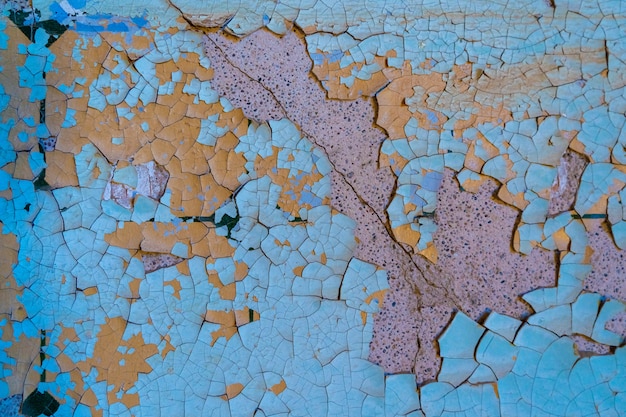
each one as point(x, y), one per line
point(177, 76)
point(609, 309)
point(26, 328)
point(347, 81)
point(111, 208)
point(30, 121)
point(433, 397)
point(126, 175)
point(454, 370)
point(144, 209)
point(503, 325)
point(50, 365)
point(140, 21)
point(77, 55)
point(69, 121)
point(36, 162)
point(557, 319)
point(497, 353)
point(5, 180)
point(432, 181)
point(432, 117)
point(78, 4)
point(209, 131)
point(207, 93)
point(3, 36)
point(595, 182)
point(318, 59)
point(97, 100)
point(125, 113)
point(306, 197)
point(42, 131)
point(415, 198)
point(181, 250)
point(58, 13)
point(87, 27)
point(38, 60)
point(117, 27)
point(334, 56)
point(23, 136)
point(461, 325)
point(86, 162)
point(167, 88)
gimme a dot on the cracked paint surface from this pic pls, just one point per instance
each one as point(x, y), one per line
point(171, 240)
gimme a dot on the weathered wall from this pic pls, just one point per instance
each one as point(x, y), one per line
point(261, 208)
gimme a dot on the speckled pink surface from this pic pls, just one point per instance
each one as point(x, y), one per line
point(477, 270)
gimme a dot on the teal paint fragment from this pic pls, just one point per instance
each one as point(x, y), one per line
point(401, 395)
point(503, 325)
point(496, 168)
point(456, 371)
point(37, 162)
point(126, 175)
point(557, 319)
point(461, 328)
point(144, 209)
point(86, 161)
point(584, 313)
point(482, 374)
point(433, 396)
point(608, 310)
point(497, 353)
point(534, 337)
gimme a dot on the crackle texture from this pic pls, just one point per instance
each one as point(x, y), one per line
point(305, 208)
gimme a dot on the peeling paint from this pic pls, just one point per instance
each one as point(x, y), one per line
point(166, 253)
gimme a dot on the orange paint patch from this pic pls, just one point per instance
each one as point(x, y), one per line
point(25, 352)
point(229, 321)
point(393, 113)
point(225, 318)
point(331, 74)
point(129, 235)
point(233, 390)
point(168, 346)
point(278, 388)
point(229, 291)
point(9, 290)
point(377, 295)
point(241, 271)
point(495, 389)
point(90, 291)
point(133, 286)
point(117, 361)
point(175, 284)
point(245, 316)
point(61, 170)
point(19, 105)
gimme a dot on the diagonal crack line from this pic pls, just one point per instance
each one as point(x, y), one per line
point(183, 16)
point(410, 255)
point(245, 74)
